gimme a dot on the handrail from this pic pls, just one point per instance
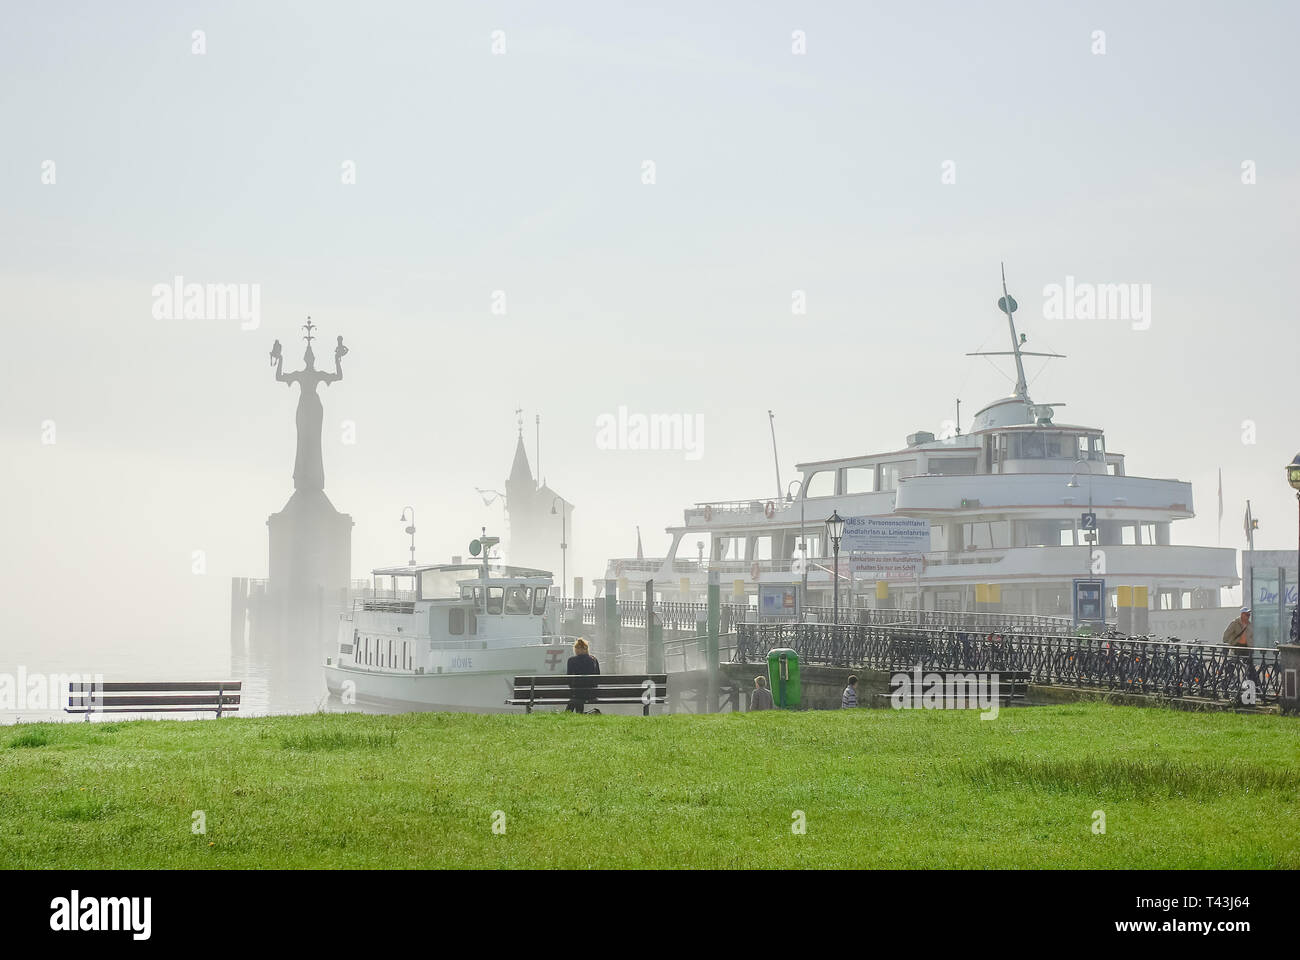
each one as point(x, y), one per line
point(1167, 668)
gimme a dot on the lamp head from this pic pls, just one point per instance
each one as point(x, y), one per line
point(1293, 473)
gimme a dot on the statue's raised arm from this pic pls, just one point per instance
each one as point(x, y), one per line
point(340, 351)
point(277, 361)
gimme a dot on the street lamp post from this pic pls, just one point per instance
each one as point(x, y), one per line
point(411, 530)
point(564, 544)
point(803, 549)
point(835, 530)
point(1074, 484)
point(1293, 478)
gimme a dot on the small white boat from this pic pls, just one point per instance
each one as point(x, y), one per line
point(445, 636)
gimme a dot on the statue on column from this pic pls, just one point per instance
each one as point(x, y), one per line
point(308, 464)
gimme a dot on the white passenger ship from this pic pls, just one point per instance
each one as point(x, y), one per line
point(445, 636)
point(1005, 504)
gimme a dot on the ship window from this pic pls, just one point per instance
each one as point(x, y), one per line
point(952, 466)
point(518, 600)
point(891, 473)
point(439, 584)
point(1027, 446)
point(456, 621)
point(494, 599)
point(859, 479)
point(820, 484)
point(473, 624)
point(539, 600)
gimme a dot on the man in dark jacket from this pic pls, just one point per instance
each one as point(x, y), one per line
point(581, 664)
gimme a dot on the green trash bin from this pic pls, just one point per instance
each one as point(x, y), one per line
point(783, 676)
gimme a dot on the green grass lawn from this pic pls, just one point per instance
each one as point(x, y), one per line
point(878, 788)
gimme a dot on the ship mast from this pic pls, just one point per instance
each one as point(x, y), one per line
point(1007, 304)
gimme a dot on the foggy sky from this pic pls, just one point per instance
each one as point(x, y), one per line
point(522, 172)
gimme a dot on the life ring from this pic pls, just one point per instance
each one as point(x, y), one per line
point(770, 510)
point(753, 570)
point(708, 512)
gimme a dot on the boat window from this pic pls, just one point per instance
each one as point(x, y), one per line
point(891, 473)
point(440, 584)
point(952, 466)
point(859, 479)
point(456, 621)
point(473, 624)
point(395, 587)
point(821, 484)
point(539, 600)
point(518, 599)
point(1027, 446)
point(494, 596)
point(728, 548)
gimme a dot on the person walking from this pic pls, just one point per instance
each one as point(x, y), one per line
point(1238, 634)
point(850, 696)
point(581, 664)
point(760, 698)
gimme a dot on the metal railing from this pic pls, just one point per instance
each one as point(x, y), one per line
point(1151, 667)
point(674, 614)
point(690, 653)
point(684, 615)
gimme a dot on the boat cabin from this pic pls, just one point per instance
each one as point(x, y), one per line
point(451, 602)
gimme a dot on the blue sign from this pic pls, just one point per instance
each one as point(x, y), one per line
point(776, 600)
point(1089, 601)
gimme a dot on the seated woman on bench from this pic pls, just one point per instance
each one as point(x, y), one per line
point(581, 663)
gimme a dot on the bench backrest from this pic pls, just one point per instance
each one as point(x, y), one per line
point(631, 687)
point(155, 696)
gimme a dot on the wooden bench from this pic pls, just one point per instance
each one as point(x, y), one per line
point(1013, 685)
point(553, 690)
point(180, 696)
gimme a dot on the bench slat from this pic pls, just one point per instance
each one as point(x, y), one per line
point(161, 686)
point(562, 701)
point(619, 691)
point(120, 701)
point(563, 679)
point(148, 710)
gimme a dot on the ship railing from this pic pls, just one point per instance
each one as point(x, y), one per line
point(1166, 668)
point(384, 605)
point(714, 507)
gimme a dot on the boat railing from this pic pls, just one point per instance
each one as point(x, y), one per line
point(713, 507)
point(384, 605)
